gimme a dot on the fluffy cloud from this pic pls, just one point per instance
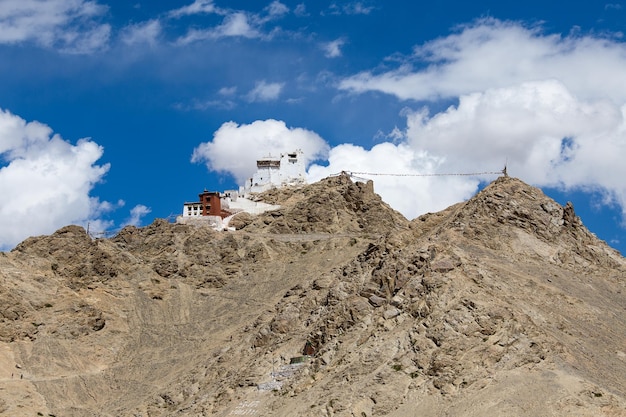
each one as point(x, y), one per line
point(236, 148)
point(45, 180)
point(144, 33)
point(137, 213)
point(236, 24)
point(333, 49)
point(553, 106)
point(197, 7)
point(493, 54)
point(264, 91)
point(69, 25)
point(545, 132)
point(276, 8)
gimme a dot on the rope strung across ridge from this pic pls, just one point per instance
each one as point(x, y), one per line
point(352, 173)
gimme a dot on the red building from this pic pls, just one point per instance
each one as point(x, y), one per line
point(210, 204)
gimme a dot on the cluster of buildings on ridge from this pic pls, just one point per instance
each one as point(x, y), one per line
point(216, 209)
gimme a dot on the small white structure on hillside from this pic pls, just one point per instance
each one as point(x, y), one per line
point(275, 172)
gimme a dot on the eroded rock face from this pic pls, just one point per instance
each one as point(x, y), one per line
point(451, 313)
point(72, 254)
point(333, 205)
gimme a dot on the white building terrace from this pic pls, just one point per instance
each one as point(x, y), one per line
point(216, 209)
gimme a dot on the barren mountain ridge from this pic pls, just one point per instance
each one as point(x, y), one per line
point(333, 305)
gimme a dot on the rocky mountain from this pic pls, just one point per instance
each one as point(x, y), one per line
point(333, 305)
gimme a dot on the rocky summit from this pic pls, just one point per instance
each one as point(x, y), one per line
point(333, 305)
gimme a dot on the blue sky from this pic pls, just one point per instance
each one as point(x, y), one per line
point(116, 112)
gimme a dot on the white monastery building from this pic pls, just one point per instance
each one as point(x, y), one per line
point(276, 172)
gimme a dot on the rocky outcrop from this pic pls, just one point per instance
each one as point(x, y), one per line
point(333, 205)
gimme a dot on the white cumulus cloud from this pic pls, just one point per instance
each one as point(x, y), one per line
point(554, 107)
point(491, 54)
point(236, 148)
point(68, 25)
point(544, 131)
point(45, 180)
